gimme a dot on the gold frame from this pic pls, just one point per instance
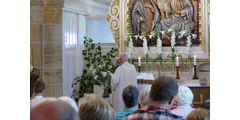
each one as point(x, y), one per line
point(124, 23)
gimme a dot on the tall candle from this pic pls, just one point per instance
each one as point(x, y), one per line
point(139, 61)
point(195, 60)
point(177, 61)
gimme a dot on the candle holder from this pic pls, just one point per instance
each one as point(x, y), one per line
point(195, 72)
point(177, 73)
point(139, 69)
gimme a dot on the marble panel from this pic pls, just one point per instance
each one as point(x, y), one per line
point(52, 15)
point(35, 55)
point(52, 79)
point(35, 32)
point(52, 34)
point(52, 55)
point(48, 90)
point(36, 14)
point(57, 90)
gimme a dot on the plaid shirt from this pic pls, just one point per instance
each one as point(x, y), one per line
point(152, 113)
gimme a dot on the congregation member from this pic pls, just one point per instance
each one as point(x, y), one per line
point(39, 89)
point(144, 99)
point(52, 109)
point(124, 75)
point(162, 91)
point(184, 100)
point(130, 98)
point(206, 104)
point(96, 108)
point(199, 114)
point(70, 101)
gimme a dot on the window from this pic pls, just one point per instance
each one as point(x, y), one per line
point(99, 30)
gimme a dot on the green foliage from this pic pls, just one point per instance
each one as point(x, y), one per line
point(96, 71)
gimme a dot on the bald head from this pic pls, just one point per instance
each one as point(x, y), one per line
point(52, 109)
point(123, 58)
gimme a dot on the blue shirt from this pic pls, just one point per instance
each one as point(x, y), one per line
point(123, 113)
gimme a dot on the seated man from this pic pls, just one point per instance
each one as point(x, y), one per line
point(162, 91)
point(130, 98)
point(184, 100)
point(39, 89)
point(52, 109)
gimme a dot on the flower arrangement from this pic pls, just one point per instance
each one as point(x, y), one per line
point(174, 34)
point(189, 36)
point(96, 71)
point(130, 45)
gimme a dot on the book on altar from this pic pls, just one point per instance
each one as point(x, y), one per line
point(145, 76)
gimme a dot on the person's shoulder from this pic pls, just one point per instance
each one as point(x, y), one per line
point(176, 117)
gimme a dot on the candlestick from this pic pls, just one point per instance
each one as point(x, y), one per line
point(195, 60)
point(177, 61)
point(139, 69)
point(139, 61)
point(195, 72)
point(177, 73)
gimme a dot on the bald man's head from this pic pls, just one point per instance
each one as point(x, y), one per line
point(123, 58)
point(52, 109)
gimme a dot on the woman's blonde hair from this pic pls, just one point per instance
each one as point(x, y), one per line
point(199, 114)
point(96, 108)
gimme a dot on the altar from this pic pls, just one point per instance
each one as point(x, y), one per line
point(201, 91)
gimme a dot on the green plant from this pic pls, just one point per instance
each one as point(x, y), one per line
point(96, 71)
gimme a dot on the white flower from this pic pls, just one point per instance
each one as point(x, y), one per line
point(173, 40)
point(136, 36)
point(94, 71)
point(163, 32)
point(91, 67)
point(170, 30)
point(150, 36)
point(182, 33)
point(194, 36)
point(145, 47)
point(159, 45)
point(130, 45)
point(104, 74)
point(189, 43)
point(95, 77)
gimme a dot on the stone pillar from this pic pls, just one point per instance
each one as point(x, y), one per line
point(46, 42)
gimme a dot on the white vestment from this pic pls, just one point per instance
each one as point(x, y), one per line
point(124, 75)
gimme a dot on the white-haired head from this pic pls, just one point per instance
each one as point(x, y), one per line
point(184, 95)
point(144, 99)
point(70, 101)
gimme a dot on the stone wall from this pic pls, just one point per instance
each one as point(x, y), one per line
point(46, 42)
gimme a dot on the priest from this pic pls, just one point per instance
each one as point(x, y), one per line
point(124, 75)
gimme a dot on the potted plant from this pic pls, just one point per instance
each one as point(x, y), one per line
point(97, 69)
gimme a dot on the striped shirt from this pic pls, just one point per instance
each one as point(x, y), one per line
point(152, 113)
point(183, 110)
